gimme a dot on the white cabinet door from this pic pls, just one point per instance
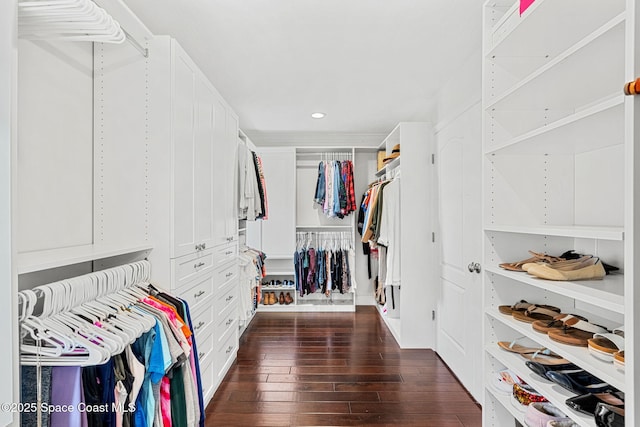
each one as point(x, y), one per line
point(279, 230)
point(203, 161)
point(230, 160)
point(184, 75)
point(220, 178)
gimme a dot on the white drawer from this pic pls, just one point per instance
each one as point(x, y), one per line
point(227, 296)
point(227, 351)
point(227, 320)
point(202, 318)
point(186, 268)
point(205, 347)
point(225, 253)
point(197, 291)
point(225, 274)
point(207, 376)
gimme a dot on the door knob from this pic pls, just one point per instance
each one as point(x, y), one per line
point(474, 266)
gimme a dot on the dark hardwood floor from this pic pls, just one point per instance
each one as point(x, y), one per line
point(336, 369)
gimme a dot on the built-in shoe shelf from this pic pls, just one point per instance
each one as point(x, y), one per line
point(575, 231)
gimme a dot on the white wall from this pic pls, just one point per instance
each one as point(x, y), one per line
point(8, 60)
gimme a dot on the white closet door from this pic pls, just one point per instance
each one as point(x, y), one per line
point(184, 80)
point(220, 179)
point(203, 158)
point(459, 178)
point(230, 163)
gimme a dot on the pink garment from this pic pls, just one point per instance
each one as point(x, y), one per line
point(165, 401)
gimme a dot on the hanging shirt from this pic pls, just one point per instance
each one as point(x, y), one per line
point(390, 231)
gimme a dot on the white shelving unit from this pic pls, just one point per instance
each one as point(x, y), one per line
point(558, 173)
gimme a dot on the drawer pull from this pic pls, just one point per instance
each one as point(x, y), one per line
point(229, 349)
point(199, 294)
point(229, 298)
point(204, 246)
point(230, 321)
point(200, 355)
point(198, 265)
point(229, 239)
point(200, 325)
point(228, 252)
point(198, 247)
point(229, 274)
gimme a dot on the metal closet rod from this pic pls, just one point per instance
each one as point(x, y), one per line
point(143, 50)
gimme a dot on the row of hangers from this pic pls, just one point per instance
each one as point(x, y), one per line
point(339, 156)
point(85, 320)
point(69, 20)
point(330, 240)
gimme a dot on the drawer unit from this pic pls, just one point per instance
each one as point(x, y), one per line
point(225, 253)
point(188, 267)
point(197, 291)
point(225, 274)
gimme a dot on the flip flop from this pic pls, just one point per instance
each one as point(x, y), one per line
point(544, 326)
point(618, 360)
point(575, 331)
point(523, 305)
point(541, 369)
point(534, 313)
point(513, 347)
point(604, 346)
point(537, 257)
point(579, 382)
point(546, 357)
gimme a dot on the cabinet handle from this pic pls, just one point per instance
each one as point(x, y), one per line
point(198, 265)
point(200, 325)
point(198, 247)
point(229, 298)
point(229, 239)
point(229, 274)
point(199, 294)
point(229, 349)
point(228, 252)
point(200, 355)
point(230, 321)
point(204, 246)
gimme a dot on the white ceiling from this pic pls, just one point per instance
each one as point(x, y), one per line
point(368, 64)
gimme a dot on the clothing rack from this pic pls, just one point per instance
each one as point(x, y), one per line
point(330, 239)
point(85, 320)
point(337, 155)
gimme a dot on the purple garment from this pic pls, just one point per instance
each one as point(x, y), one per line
point(66, 389)
point(311, 277)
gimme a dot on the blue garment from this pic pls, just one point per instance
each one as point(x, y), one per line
point(335, 209)
point(148, 349)
point(197, 363)
point(320, 189)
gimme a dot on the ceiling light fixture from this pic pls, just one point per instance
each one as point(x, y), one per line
point(318, 115)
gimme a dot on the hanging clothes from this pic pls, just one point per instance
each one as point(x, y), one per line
point(252, 186)
point(251, 271)
point(335, 191)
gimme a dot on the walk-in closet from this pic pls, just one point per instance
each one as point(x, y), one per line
point(294, 213)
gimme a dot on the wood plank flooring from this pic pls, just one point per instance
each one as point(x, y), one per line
point(336, 369)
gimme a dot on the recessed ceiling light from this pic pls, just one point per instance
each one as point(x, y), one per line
point(318, 115)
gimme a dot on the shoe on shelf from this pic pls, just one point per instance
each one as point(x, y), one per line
point(609, 415)
point(288, 299)
point(591, 272)
point(281, 298)
point(540, 413)
point(537, 257)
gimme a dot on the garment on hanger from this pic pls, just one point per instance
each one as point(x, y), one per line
point(252, 269)
point(252, 193)
point(335, 189)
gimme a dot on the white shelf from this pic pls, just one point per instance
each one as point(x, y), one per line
point(578, 355)
point(505, 401)
point(323, 227)
point(553, 392)
point(280, 273)
point(576, 231)
point(44, 260)
point(550, 15)
point(389, 166)
point(577, 133)
point(277, 288)
point(294, 307)
point(532, 93)
point(607, 293)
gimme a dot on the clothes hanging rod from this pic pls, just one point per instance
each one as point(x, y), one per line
point(143, 50)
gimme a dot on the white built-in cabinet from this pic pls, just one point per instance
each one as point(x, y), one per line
point(559, 174)
point(410, 311)
point(192, 175)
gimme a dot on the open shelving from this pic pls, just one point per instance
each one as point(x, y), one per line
point(558, 138)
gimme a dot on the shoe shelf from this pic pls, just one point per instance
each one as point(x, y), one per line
point(574, 231)
point(553, 392)
point(512, 31)
point(576, 133)
point(277, 288)
point(607, 293)
point(531, 93)
point(577, 355)
point(506, 401)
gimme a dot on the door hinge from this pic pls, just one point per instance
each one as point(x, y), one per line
point(433, 315)
point(433, 159)
point(433, 237)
